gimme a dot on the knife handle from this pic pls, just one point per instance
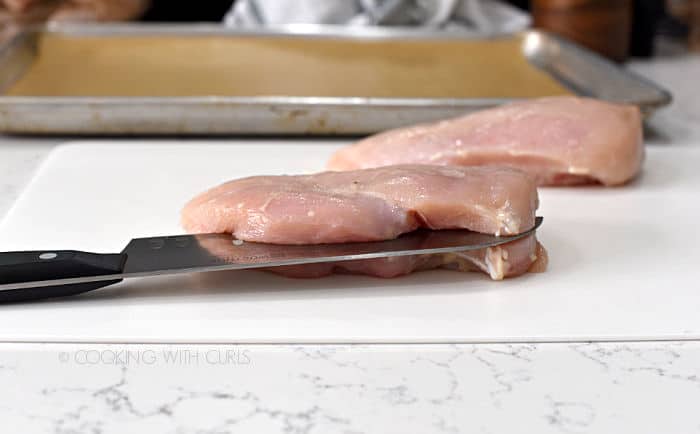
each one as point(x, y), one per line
point(34, 266)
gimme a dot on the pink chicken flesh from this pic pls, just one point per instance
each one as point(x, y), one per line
point(558, 140)
point(378, 204)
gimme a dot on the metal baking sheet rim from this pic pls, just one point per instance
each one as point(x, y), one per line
point(223, 115)
point(282, 114)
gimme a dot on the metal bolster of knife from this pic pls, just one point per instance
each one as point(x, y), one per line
point(32, 266)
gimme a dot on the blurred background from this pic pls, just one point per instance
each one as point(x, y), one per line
point(615, 28)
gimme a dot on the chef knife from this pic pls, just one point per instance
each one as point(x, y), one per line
point(35, 275)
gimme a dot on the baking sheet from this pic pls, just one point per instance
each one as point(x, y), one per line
point(623, 263)
point(137, 78)
point(249, 66)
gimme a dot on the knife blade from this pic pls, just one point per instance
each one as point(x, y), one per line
point(34, 275)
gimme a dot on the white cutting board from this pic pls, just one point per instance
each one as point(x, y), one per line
point(625, 262)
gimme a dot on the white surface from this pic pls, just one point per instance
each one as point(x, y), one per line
point(679, 123)
point(640, 388)
point(19, 158)
point(623, 261)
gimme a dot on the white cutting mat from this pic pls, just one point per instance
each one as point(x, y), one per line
point(625, 262)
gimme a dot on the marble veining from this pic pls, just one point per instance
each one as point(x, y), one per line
point(490, 388)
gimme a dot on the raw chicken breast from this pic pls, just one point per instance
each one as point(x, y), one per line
point(558, 140)
point(377, 204)
point(366, 205)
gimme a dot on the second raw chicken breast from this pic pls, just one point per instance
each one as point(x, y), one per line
point(558, 140)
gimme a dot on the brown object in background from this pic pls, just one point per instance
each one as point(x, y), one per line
point(600, 25)
point(101, 10)
point(694, 25)
point(687, 12)
point(36, 12)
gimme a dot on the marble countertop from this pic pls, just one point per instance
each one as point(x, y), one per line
point(640, 387)
point(543, 388)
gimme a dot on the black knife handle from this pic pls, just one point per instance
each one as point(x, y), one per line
point(33, 266)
